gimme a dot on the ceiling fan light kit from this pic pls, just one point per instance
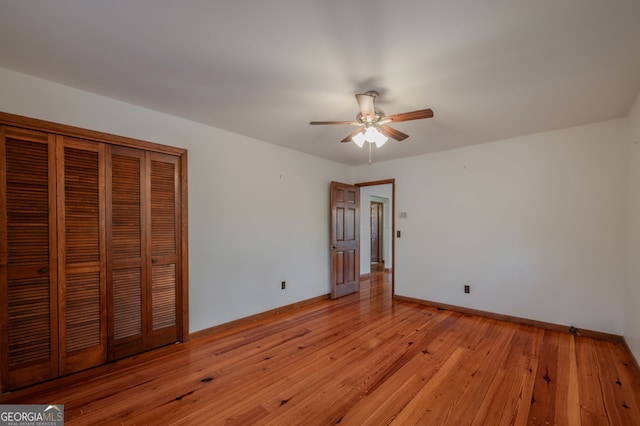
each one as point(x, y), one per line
point(371, 135)
point(358, 139)
point(372, 123)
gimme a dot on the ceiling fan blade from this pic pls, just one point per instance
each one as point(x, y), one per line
point(334, 122)
point(351, 135)
point(393, 133)
point(366, 105)
point(413, 115)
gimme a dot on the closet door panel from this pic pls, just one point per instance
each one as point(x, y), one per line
point(28, 270)
point(127, 255)
point(82, 256)
point(164, 248)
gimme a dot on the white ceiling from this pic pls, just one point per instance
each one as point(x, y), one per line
point(489, 69)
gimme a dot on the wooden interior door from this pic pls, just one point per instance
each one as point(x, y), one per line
point(164, 248)
point(82, 254)
point(126, 272)
point(144, 261)
point(28, 269)
point(376, 231)
point(345, 239)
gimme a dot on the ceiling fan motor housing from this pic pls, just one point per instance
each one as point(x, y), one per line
point(378, 115)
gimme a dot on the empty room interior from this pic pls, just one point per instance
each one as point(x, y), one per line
point(321, 212)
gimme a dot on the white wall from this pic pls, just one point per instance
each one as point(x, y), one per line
point(258, 213)
point(536, 225)
point(632, 291)
point(384, 193)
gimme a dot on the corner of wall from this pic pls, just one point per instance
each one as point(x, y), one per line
point(632, 288)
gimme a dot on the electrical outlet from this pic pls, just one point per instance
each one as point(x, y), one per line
point(283, 285)
point(467, 288)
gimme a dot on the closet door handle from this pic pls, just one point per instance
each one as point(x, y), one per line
point(154, 261)
point(43, 270)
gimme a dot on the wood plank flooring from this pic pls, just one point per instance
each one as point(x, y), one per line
point(360, 360)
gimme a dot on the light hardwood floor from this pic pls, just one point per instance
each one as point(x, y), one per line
point(362, 359)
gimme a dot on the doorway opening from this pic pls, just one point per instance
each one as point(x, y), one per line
point(377, 230)
point(376, 233)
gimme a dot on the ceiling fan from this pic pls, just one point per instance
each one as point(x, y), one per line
point(372, 123)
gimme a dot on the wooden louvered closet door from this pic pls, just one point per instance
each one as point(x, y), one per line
point(28, 275)
point(92, 249)
point(126, 272)
point(164, 248)
point(143, 263)
point(82, 257)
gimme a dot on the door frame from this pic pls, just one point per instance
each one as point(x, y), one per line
point(393, 225)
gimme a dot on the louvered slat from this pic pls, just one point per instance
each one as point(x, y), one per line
point(82, 220)
point(83, 311)
point(164, 296)
point(27, 203)
point(127, 303)
point(126, 226)
point(163, 207)
point(29, 321)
